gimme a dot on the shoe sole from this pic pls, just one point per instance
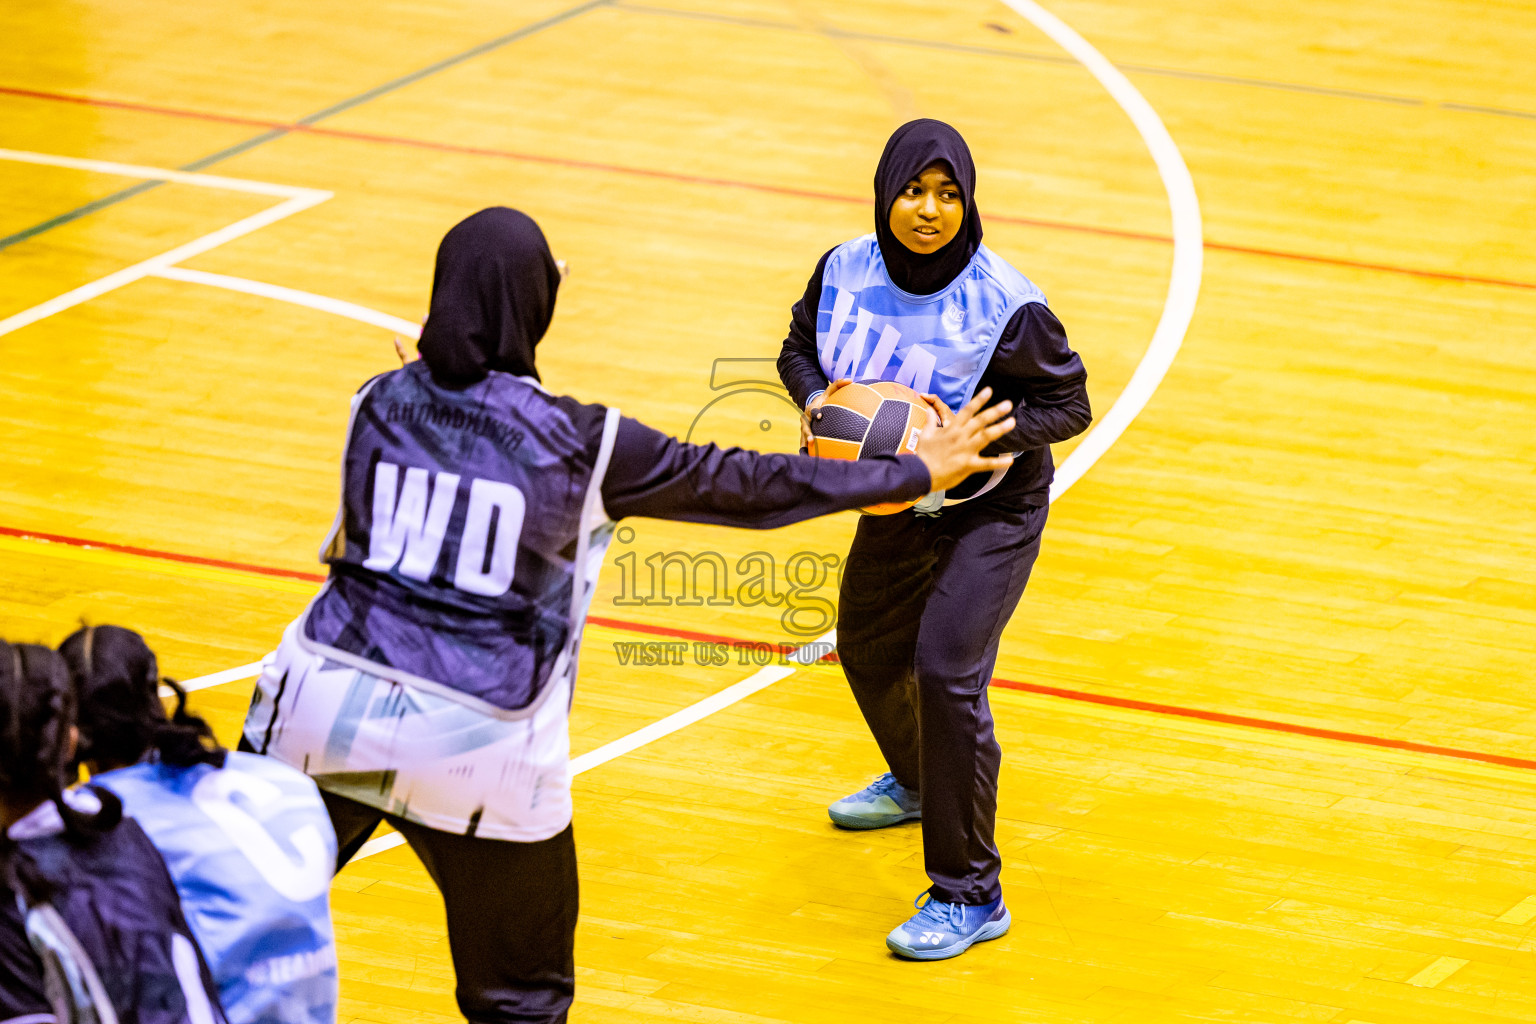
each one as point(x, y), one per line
point(991, 930)
point(857, 823)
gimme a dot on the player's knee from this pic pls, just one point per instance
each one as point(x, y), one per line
point(873, 656)
point(949, 663)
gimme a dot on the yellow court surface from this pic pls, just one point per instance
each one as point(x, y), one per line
point(1267, 707)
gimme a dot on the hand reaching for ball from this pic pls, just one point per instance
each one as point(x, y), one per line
point(950, 446)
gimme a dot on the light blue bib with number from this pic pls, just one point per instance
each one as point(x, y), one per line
point(252, 852)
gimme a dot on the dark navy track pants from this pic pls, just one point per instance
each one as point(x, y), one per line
point(922, 606)
point(511, 913)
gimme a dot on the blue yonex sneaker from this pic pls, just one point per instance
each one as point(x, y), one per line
point(883, 802)
point(941, 930)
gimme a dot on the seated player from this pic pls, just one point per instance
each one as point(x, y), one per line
point(91, 928)
point(429, 682)
point(246, 838)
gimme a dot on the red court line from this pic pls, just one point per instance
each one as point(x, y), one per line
point(692, 179)
point(1387, 268)
point(1172, 710)
point(1263, 723)
point(142, 108)
point(556, 161)
point(168, 556)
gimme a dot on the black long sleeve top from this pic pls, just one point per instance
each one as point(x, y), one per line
point(651, 474)
point(1032, 366)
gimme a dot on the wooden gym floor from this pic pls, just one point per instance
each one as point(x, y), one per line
point(1266, 705)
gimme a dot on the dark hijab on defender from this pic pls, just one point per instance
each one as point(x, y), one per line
point(493, 296)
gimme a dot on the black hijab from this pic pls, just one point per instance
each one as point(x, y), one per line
point(912, 148)
point(493, 295)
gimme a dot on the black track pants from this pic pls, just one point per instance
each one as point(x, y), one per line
point(511, 912)
point(922, 608)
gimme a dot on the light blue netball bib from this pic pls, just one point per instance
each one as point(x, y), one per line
point(867, 328)
point(251, 850)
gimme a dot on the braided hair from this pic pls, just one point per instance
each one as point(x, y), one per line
point(122, 719)
point(37, 733)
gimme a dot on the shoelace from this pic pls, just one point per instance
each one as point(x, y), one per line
point(945, 915)
point(884, 784)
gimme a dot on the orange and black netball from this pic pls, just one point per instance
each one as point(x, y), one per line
point(866, 419)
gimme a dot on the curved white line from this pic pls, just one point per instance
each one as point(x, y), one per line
point(229, 675)
point(323, 303)
point(1188, 245)
point(1178, 309)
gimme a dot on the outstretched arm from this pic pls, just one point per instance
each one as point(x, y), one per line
point(651, 474)
point(654, 475)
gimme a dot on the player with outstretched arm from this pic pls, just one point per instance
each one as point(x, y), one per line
point(429, 682)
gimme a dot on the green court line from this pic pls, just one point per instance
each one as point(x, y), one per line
point(319, 115)
point(78, 212)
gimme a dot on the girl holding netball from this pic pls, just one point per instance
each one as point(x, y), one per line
point(91, 928)
point(926, 593)
point(245, 838)
point(429, 682)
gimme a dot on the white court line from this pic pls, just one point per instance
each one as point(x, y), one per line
point(1188, 245)
point(298, 199)
point(1178, 309)
point(229, 675)
point(324, 303)
point(759, 680)
point(262, 188)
